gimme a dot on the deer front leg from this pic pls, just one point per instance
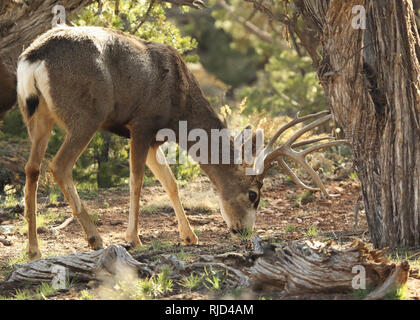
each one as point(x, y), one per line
point(39, 132)
point(139, 146)
point(163, 172)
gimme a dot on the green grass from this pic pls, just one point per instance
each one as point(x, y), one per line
point(150, 209)
point(150, 288)
point(245, 233)
point(264, 203)
point(213, 280)
point(398, 294)
point(353, 176)
point(360, 294)
point(192, 282)
point(184, 256)
point(290, 228)
point(9, 201)
point(311, 231)
point(85, 295)
point(44, 291)
point(53, 195)
point(87, 194)
point(43, 220)
point(304, 198)
point(94, 217)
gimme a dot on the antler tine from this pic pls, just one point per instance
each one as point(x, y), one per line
point(299, 157)
point(293, 176)
point(306, 142)
point(262, 156)
point(286, 150)
point(292, 123)
point(322, 146)
point(307, 128)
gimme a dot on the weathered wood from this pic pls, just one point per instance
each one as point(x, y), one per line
point(294, 269)
point(306, 267)
point(83, 266)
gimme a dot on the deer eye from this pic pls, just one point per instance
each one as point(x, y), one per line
point(252, 196)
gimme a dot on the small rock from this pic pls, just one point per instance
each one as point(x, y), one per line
point(299, 220)
point(7, 229)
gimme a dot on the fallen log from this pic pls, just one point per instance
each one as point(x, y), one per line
point(83, 266)
point(297, 268)
point(313, 267)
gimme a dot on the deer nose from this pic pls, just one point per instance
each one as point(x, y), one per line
point(234, 231)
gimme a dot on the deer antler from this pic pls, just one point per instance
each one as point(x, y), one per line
point(267, 156)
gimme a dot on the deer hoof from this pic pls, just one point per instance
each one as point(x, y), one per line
point(95, 242)
point(133, 241)
point(33, 253)
point(190, 239)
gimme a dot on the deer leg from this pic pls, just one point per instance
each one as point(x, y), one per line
point(163, 172)
point(61, 167)
point(39, 129)
point(139, 146)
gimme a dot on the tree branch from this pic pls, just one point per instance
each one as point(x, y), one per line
point(261, 34)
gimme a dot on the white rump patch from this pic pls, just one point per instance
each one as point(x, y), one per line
point(33, 76)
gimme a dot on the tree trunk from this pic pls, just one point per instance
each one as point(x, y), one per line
point(371, 78)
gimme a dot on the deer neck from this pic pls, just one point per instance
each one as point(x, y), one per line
point(202, 116)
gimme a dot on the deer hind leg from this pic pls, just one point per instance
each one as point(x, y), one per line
point(163, 172)
point(139, 146)
point(39, 129)
point(61, 166)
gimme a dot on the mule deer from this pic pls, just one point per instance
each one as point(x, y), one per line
point(90, 78)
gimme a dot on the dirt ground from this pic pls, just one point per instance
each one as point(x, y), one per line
point(284, 215)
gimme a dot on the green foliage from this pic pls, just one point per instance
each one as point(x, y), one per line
point(311, 231)
point(85, 295)
point(213, 280)
point(245, 234)
point(304, 198)
point(193, 281)
point(234, 67)
point(149, 288)
point(287, 82)
point(290, 228)
point(131, 15)
point(398, 294)
point(104, 163)
point(44, 291)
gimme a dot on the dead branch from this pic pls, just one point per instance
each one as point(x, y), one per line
point(261, 34)
point(67, 222)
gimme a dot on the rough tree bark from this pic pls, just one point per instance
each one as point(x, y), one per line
point(371, 78)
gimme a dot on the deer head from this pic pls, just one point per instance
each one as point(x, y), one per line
point(239, 199)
